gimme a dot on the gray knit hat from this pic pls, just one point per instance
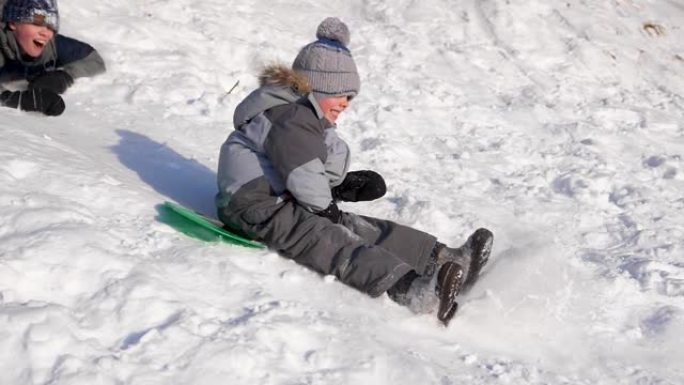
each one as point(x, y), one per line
point(327, 63)
point(39, 12)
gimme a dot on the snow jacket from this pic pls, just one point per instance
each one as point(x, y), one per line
point(282, 139)
point(76, 58)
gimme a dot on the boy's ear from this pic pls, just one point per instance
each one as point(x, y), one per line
point(12, 25)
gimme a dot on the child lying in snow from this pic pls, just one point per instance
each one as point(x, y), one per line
point(283, 169)
point(31, 49)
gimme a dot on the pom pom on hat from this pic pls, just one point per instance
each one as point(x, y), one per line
point(334, 29)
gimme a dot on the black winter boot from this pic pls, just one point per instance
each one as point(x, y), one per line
point(472, 256)
point(480, 246)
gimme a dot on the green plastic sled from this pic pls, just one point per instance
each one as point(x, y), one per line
point(200, 226)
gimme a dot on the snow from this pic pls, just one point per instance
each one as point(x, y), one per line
point(558, 125)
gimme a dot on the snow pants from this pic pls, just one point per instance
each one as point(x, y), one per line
point(366, 253)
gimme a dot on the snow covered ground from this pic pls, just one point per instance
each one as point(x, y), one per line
point(558, 125)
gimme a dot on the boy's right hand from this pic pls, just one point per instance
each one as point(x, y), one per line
point(35, 100)
point(332, 212)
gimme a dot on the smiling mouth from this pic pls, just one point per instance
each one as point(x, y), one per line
point(39, 43)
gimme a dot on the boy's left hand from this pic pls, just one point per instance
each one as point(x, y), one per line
point(55, 81)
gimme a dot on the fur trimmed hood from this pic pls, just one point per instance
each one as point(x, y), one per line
point(278, 85)
point(280, 75)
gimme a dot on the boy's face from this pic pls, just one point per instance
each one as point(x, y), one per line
point(333, 106)
point(32, 38)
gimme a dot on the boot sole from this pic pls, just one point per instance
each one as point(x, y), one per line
point(450, 279)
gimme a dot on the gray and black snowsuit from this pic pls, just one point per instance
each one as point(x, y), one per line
point(276, 171)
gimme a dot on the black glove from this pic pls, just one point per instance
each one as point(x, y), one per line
point(362, 185)
point(55, 81)
point(38, 100)
point(332, 212)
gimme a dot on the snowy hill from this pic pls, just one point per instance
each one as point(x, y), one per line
point(558, 125)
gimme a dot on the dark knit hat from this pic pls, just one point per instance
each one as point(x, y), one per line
point(39, 12)
point(327, 63)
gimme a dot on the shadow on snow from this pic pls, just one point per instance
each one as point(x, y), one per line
point(181, 179)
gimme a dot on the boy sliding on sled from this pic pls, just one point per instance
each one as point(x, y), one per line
point(283, 169)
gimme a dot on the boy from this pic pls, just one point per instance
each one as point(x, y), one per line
point(32, 50)
point(283, 169)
